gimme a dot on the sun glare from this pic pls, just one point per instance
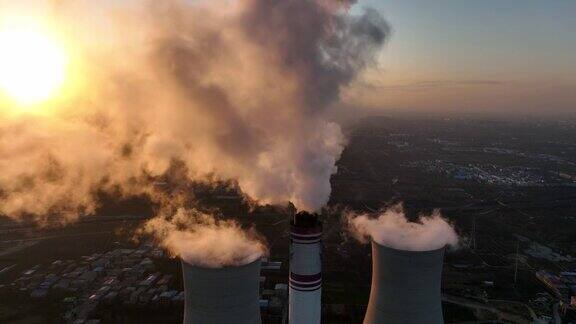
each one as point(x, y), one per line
point(32, 65)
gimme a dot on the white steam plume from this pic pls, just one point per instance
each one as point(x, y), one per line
point(234, 90)
point(200, 239)
point(391, 228)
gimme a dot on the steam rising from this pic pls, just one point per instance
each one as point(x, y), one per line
point(391, 228)
point(234, 90)
point(200, 239)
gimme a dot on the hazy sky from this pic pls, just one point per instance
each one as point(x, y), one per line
point(503, 56)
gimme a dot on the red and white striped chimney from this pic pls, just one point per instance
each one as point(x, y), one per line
point(305, 269)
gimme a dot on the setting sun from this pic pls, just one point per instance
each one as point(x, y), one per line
point(32, 65)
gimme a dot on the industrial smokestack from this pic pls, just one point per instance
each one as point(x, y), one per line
point(222, 295)
point(305, 269)
point(405, 286)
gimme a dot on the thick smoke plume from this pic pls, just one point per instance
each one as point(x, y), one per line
point(391, 228)
point(233, 90)
point(202, 240)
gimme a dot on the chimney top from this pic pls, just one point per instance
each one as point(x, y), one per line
point(305, 219)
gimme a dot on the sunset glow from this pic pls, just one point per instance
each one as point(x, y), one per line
point(32, 65)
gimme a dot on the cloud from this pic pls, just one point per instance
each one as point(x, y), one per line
point(430, 84)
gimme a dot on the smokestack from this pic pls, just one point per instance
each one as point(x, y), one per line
point(405, 286)
point(305, 269)
point(222, 295)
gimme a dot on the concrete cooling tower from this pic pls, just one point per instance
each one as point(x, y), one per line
point(222, 295)
point(305, 270)
point(405, 287)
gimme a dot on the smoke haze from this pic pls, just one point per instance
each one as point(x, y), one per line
point(233, 90)
point(391, 228)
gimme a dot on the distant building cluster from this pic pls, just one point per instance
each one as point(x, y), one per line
point(486, 174)
point(120, 276)
point(123, 278)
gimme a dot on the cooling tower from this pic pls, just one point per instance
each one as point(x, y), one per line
point(222, 295)
point(405, 287)
point(305, 270)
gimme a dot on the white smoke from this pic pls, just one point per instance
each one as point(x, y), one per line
point(391, 228)
point(233, 90)
point(202, 240)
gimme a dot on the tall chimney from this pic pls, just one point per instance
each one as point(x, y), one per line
point(305, 269)
point(222, 295)
point(405, 286)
